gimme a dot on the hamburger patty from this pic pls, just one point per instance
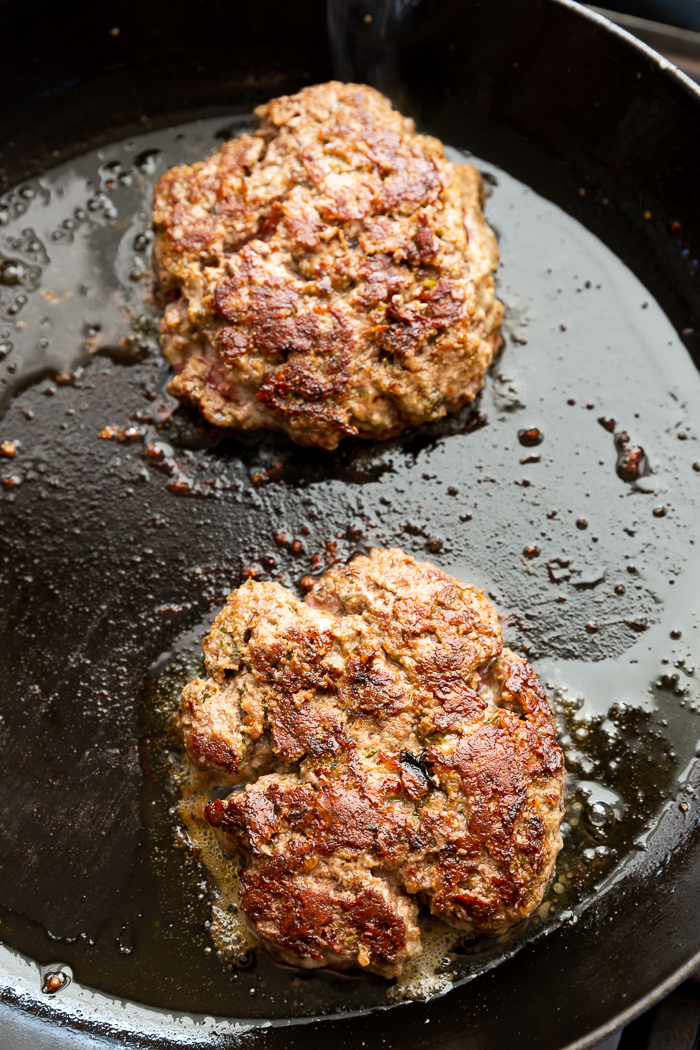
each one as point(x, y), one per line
point(331, 274)
point(387, 750)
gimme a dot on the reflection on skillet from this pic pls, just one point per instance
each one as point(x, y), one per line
point(594, 583)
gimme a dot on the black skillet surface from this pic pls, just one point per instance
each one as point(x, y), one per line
point(111, 557)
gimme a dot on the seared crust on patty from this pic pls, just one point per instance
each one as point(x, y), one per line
point(401, 754)
point(330, 275)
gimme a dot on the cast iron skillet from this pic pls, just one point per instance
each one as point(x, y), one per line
point(516, 82)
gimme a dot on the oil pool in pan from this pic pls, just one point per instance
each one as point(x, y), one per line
point(539, 493)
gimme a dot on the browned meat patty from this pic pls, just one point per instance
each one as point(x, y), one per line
point(392, 752)
point(330, 275)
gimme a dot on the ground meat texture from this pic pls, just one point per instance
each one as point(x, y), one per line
point(329, 275)
point(388, 751)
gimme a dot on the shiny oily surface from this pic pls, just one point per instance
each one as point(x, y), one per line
point(125, 522)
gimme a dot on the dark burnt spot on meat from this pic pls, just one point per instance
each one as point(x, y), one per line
point(400, 752)
point(416, 777)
